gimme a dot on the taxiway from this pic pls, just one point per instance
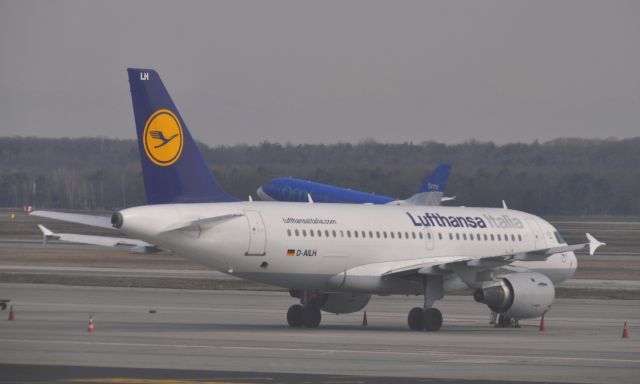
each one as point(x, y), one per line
point(233, 331)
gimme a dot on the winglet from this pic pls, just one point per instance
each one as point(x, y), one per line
point(46, 233)
point(593, 244)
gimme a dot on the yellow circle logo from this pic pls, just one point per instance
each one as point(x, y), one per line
point(162, 138)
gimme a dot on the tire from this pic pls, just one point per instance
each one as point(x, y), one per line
point(504, 322)
point(415, 319)
point(432, 319)
point(294, 316)
point(311, 316)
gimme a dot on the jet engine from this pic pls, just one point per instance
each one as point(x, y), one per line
point(345, 302)
point(518, 295)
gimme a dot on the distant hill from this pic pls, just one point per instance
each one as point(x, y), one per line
point(564, 176)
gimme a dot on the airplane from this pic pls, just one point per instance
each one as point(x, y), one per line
point(291, 189)
point(334, 257)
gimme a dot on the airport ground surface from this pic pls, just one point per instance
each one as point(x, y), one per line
point(240, 333)
point(202, 333)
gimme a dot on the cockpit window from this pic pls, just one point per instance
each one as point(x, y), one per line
point(559, 238)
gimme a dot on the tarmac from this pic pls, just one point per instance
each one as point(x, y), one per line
point(241, 336)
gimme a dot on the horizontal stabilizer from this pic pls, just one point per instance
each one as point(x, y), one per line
point(104, 241)
point(94, 221)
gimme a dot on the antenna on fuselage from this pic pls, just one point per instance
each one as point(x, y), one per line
point(309, 198)
point(504, 204)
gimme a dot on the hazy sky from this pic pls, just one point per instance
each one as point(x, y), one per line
point(327, 71)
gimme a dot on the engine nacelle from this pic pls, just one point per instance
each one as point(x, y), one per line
point(345, 302)
point(518, 295)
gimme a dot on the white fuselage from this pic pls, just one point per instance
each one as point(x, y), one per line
point(310, 246)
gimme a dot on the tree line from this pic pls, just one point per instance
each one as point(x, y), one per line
point(563, 176)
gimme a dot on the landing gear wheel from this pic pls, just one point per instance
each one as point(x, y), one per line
point(311, 316)
point(432, 319)
point(507, 322)
point(503, 322)
point(294, 316)
point(415, 319)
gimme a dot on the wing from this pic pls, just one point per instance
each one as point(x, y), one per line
point(136, 245)
point(94, 221)
point(451, 264)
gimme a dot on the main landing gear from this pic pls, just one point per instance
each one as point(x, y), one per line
point(428, 318)
point(306, 314)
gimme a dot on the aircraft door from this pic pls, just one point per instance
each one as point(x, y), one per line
point(257, 234)
point(429, 237)
point(538, 239)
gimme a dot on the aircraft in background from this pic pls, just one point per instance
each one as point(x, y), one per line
point(290, 189)
point(333, 257)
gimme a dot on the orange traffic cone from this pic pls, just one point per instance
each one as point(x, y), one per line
point(364, 319)
point(12, 316)
point(625, 331)
point(91, 326)
point(542, 324)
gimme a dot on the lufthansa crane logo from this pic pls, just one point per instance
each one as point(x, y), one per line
point(163, 138)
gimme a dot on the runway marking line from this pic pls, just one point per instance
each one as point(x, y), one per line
point(327, 351)
point(128, 380)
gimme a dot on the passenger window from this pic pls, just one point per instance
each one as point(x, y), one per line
point(439, 235)
point(429, 236)
point(289, 232)
point(492, 237)
point(413, 235)
point(378, 234)
point(498, 236)
point(297, 233)
point(370, 234)
point(355, 234)
point(450, 236)
point(326, 233)
point(334, 233)
point(304, 233)
point(399, 235)
point(519, 238)
point(464, 236)
point(457, 236)
point(385, 234)
point(478, 237)
point(420, 235)
point(311, 232)
point(392, 235)
point(349, 234)
point(341, 233)
point(319, 233)
point(513, 238)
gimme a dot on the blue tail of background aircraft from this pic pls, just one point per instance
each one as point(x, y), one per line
point(173, 168)
point(437, 181)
